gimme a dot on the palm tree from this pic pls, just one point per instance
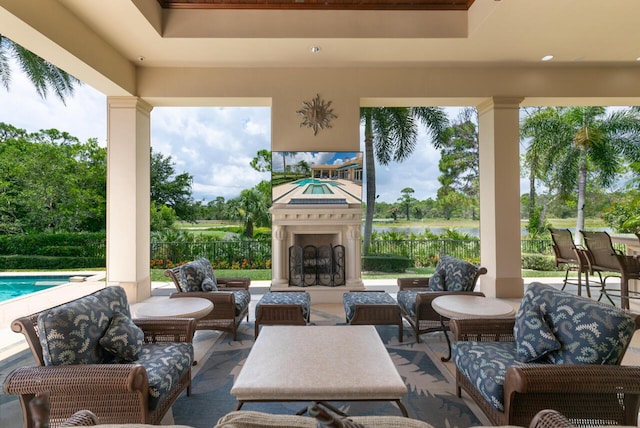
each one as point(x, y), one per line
point(44, 75)
point(575, 144)
point(390, 133)
point(252, 207)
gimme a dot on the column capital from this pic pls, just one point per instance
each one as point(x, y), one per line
point(128, 103)
point(496, 103)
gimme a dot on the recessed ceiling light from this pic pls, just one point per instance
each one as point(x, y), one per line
point(315, 49)
point(547, 58)
point(140, 58)
point(638, 59)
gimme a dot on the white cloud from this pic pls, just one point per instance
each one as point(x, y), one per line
point(214, 145)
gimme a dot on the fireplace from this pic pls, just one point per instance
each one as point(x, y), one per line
point(316, 221)
point(331, 227)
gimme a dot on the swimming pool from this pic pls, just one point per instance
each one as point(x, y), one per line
point(16, 286)
point(317, 189)
point(305, 181)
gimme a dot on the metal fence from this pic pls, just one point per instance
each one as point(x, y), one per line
point(222, 254)
point(257, 254)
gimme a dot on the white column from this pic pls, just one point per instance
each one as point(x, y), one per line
point(128, 196)
point(499, 134)
point(279, 257)
point(353, 260)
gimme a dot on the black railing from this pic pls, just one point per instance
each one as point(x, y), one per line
point(257, 254)
point(222, 254)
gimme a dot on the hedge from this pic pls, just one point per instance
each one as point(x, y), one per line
point(385, 263)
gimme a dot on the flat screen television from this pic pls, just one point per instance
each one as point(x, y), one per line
point(313, 178)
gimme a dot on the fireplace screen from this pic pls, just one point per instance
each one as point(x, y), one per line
point(311, 265)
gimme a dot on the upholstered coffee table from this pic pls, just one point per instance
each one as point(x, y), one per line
point(468, 306)
point(298, 363)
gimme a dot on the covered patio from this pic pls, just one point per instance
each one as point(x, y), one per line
point(482, 53)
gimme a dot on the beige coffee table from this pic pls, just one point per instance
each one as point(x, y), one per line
point(465, 306)
point(319, 363)
point(185, 307)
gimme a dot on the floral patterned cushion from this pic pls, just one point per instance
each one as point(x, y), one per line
point(165, 363)
point(485, 365)
point(71, 333)
point(208, 270)
point(300, 298)
point(191, 276)
point(589, 332)
point(123, 338)
point(242, 299)
point(436, 281)
point(534, 338)
point(349, 300)
point(407, 300)
point(209, 285)
point(458, 274)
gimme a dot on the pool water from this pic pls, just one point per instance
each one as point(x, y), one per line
point(318, 189)
point(305, 181)
point(16, 286)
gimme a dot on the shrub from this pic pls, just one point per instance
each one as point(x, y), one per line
point(385, 263)
point(538, 262)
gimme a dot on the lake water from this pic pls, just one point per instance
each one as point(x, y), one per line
point(473, 231)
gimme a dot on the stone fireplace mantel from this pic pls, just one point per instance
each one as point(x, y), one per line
point(317, 224)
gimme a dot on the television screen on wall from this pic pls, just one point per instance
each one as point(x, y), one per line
point(316, 177)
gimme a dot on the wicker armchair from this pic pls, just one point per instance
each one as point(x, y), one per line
point(415, 297)
point(116, 392)
point(230, 301)
point(589, 394)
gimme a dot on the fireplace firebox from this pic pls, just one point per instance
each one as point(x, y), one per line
point(321, 265)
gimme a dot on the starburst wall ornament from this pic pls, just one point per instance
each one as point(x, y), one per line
point(316, 114)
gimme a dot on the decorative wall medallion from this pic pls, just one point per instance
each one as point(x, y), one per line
point(316, 114)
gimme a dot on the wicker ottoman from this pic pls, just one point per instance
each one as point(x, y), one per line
point(283, 308)
point(372, 308)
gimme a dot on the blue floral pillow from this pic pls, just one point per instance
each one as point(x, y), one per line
point(436, 281)
point(209, 284)
point(534, 338)
point(123, 338)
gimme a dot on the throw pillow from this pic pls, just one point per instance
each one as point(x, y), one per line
point(209, 285)
point(534, 338)
point(191, 276)
point(458, 274)
point(123, 338)
point(328, 419)
point(436, 281)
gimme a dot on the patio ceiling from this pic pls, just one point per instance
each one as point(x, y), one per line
point(319, 4)
point(488, 33)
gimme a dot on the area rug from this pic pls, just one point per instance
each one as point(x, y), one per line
point(431, 387)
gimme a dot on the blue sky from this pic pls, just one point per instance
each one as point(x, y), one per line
point(214, 145)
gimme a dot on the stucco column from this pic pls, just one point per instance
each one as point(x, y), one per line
point(499, 135)
point(128, 196)
point(279, 256)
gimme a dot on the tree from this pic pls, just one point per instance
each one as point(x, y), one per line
point(252, 207)
point(169, 189)
point(50, 181)
point(262, 161)
point(44, 75)
point(406, 199)
point(459, 158)
point(577, 146)
point(390, 133)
